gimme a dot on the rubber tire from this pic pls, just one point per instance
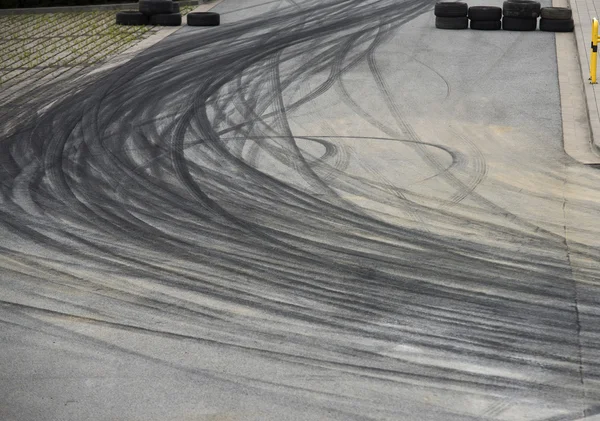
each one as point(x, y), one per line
point(517, 24)
point(485, 13)
point(156, 7)
point(556, 13)
point(131, 18)
point(486, 25)
point(557, 25)
point(203, 19)
point(442, 22)
point(524, 9)
point(445, 9)
point(176, 8)
point(167, 19)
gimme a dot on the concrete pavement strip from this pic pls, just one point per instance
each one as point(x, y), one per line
point(579, 99)
point(577, 134)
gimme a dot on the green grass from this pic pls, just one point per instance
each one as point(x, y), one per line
point(55, 40)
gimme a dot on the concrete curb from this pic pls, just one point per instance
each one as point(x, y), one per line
point(582, 31)
point(73, 9)
point(133, 51)
point(579, 121)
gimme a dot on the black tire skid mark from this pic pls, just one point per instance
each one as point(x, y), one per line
point(205, 373)
point(478, 163)
point(306, 99)
point(352, 183)
point(369, 118)
point(184, 175)
point(401, 376)
point(120, 295)
point(462, 189)
point(438, 167)
point(367, 256)
point(405, 127)
point(301, 166)
point(312, 63)
point(417, 47)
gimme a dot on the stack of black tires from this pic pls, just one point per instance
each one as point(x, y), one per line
point(520, 15)
point(152, 12)
point(451, 15)
point(485, 18)
point(556, 19)
point(515, 15)
point(165, 13)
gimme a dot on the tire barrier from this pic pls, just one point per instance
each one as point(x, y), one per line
point(486, 25)
point(556, 19)
point(444, 9)
point(510, 23)
point(203, 19)
point(521, 9)
point(520, 15)
point(166, 19)
point(166, 13)
point(132, 18)
point(514, 15)
point(451, 15)
point(155, 7)
point(485, 18)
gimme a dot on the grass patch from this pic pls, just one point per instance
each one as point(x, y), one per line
point(55, 40)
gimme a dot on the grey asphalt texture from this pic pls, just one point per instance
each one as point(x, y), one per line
point(320, 210)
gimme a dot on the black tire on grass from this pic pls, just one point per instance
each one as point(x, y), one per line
point(521, 9)
point(155, 7)
point(485, 13)
point(167, 19)
point(450, 9)
point(557, 25)
point(203, 19)
point(486, 25)
point(518, 24)
point(559, 13)
point(176, 8)
point(131, 18)
point(451, 23)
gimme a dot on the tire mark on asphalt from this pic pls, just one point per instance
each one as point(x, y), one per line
point(148, 209)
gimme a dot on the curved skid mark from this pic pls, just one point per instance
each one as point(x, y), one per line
point(135, 209)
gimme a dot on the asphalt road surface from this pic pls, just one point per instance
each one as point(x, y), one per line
point(320, 210)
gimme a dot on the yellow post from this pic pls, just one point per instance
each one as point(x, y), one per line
point(594, 55)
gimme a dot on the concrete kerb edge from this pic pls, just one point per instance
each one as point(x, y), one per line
point(576, 102)
point(74, 9)
point(588, 89)
point(161, 34)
